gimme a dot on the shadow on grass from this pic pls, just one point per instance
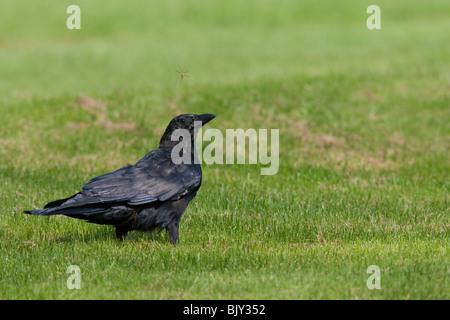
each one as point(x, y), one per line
point(107, 234)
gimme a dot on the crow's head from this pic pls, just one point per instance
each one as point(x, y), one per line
point(188, 122)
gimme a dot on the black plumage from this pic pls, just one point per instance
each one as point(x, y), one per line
point(150, 195)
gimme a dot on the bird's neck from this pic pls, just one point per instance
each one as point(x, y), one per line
point(180, 147)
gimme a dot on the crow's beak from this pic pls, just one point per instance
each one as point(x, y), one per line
point(205, 118)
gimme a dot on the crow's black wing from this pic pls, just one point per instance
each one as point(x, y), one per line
point(154, 178)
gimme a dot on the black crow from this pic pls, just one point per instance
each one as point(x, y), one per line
point(151, 195)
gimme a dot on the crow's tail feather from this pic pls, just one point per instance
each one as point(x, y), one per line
point(67, 211)
point(50, 208)
point(39, 212)
point(97, 213)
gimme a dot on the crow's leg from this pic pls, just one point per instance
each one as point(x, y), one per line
point(173, 234)
point(121, 233)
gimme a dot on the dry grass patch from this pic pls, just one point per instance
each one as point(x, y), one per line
point(100, 111)
point(321, 149)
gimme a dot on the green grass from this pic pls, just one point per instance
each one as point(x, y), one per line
point(364, 147)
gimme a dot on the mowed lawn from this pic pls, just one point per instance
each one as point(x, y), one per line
point(363, 118)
